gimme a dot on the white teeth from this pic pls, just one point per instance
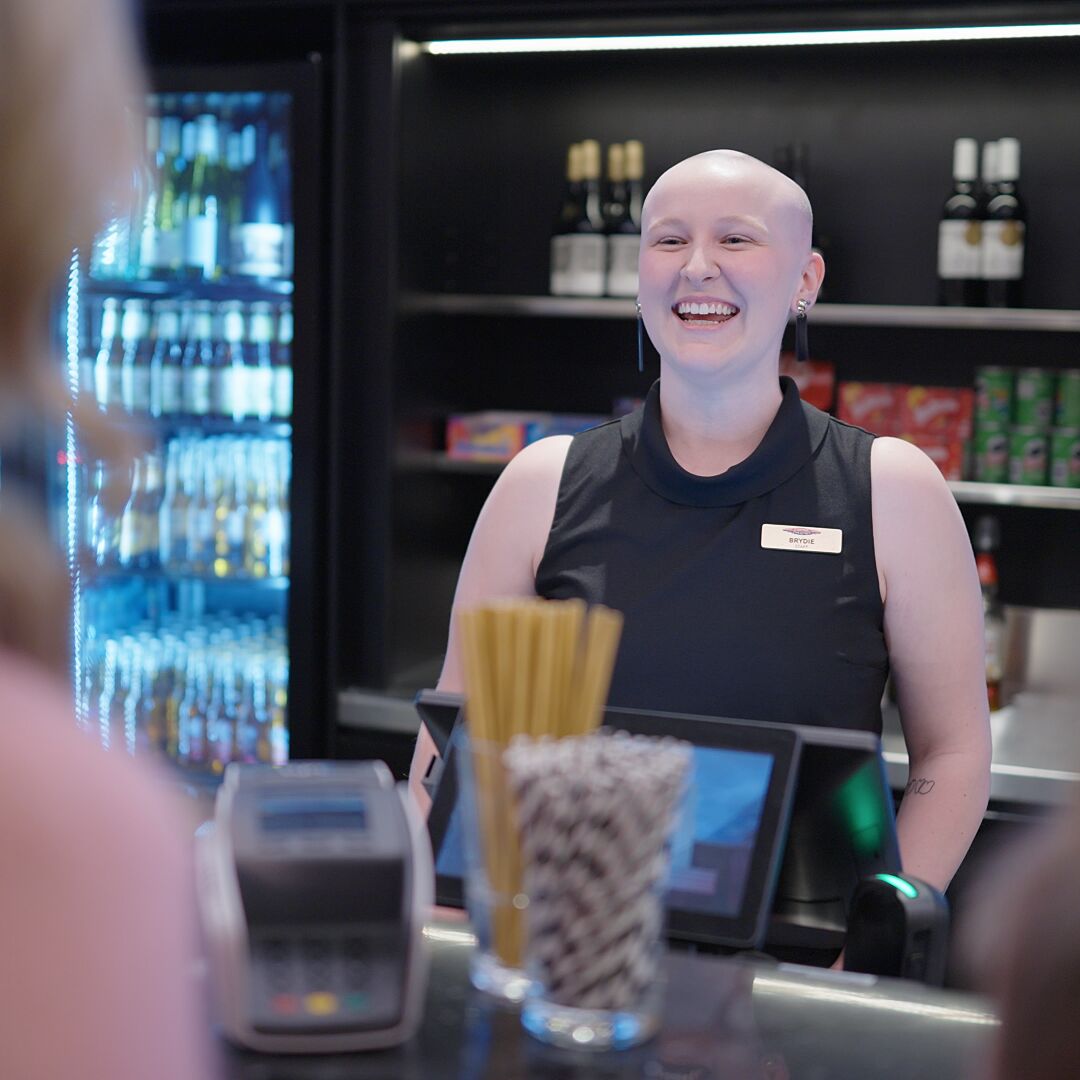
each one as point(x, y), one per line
point(694, 308)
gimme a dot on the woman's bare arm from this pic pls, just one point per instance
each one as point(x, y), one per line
point(934, 631)
point(504, 552)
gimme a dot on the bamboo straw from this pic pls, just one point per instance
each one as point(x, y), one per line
point(531, 667)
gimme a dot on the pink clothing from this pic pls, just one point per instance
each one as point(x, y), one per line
point(97, 914)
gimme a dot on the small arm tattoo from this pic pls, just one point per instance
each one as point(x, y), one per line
point(919, 786)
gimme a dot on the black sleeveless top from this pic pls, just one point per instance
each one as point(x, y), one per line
point(715, 623)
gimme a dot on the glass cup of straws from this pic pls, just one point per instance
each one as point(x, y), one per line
point(493, 893)
point(595, 815)
point(533, 668)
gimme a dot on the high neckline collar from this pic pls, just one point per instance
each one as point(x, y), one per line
point(792, 439)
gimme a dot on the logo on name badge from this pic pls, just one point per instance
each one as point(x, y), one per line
point(802, 538)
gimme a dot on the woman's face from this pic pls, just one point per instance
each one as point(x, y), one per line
point(725, 253)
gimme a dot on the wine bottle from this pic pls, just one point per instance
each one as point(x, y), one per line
point(203, 203)
point(623, 235)
point(569, 210)
point(198, 359)
point(258, 241)
point(587, 245)
point(986, 541)
point(1004, 231)
point(635, 172)
point(167, 239)
point(281, 359)
point(959, 231)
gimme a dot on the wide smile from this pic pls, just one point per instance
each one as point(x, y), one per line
point(704, 314)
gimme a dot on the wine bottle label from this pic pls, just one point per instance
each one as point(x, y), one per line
point(560, 264)
point(261, 391)
point(258, 249)
point(585, 276)
point(200, 243)
point(959, 246)
point(150, 247)
point(622, 274)
point(114, 392)
point(140, 390)
point(170, 249)
point(197, 391)
point(1003, 250)
point(86, 377)
point(283, 392)
point(172, 390)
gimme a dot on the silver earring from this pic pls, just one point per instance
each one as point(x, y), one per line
point(640, 338)
point(802, 342)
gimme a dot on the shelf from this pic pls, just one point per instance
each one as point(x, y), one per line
point(438, 461)
point(106, 577)
point(246, 290)
point(928, 317)
point(204, 425)
point(965, 491)
point(1048, 498)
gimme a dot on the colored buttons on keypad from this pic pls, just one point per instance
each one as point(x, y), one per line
point(356, 1003)
point(285, 1004)
point(321, 1004)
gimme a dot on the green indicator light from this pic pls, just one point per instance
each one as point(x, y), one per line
point(899, 884)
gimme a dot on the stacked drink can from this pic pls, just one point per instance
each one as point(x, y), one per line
point(1027, 426)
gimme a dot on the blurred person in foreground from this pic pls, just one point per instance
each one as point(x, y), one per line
point(1021, 944)
point(97, 920)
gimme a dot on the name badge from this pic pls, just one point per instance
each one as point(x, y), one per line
point(802, 538)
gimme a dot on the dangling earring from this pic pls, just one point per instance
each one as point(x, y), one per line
point(640, 338)
point(802, 342)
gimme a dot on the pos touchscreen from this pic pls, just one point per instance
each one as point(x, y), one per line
point(726, 853)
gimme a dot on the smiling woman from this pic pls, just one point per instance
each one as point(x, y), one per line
point(681, 515)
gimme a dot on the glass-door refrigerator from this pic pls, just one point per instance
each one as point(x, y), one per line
point(191, 323)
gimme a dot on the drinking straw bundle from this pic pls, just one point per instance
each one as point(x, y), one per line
point(594, 816)
point(532, 667)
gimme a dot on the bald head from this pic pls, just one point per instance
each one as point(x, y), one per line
point(718, 171)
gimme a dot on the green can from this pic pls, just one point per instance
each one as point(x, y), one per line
point(1029, 449)
point(1034, 399)
point(1065, 457)
point(991, 454)
point(1068, 399)
point(993, 396)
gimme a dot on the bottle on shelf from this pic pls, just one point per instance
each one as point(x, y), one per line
point(635, 178)
point(960, 231)
point(131, 533)
point(229, 390)
point(986, 541)
point(201, 503)
point(198, 360)
point(1004, 231)
point(569, 211)
point(164, 251)
point(135, 361)
point(258, 241)
point(109, 356)
point(175, 505)
point(623, 233)
point(281, 360)
point(586, 242)
point(201, 225)
point(166, 361)
point(259, 361)
point(149, 511)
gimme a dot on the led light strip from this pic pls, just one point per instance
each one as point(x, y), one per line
point(72, 474)
point(472, 46)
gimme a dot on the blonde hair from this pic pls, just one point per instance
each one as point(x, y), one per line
point(68, 71)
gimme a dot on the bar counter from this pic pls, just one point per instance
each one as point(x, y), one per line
point(734, 1018)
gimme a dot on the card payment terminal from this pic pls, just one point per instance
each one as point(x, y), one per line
point(315, 880)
